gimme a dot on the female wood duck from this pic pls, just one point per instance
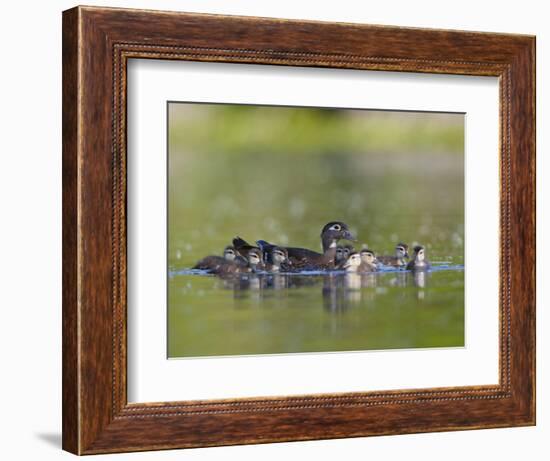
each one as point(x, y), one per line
point(368, 258)
point(401, 253)
point(419, 263)
point(209, 263)
point(354, 264)
point(302, 258)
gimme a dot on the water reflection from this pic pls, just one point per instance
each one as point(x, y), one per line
point(314, 312)
point(340, 291)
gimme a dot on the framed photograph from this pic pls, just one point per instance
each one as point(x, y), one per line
point(282, 230)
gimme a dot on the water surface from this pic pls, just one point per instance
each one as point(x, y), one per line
point(293, 313)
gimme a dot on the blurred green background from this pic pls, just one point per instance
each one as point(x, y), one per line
point(280, 174)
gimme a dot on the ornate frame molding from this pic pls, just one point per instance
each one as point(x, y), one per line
point(97, 43)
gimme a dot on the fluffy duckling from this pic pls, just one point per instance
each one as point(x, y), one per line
point(255, 260)
point(348, 249)
point(354, 264)
point(211, 262)
point(278, 260)
point(339, 257)
point(368, 258)
point(419, 263)
point(398, 260)
point(253, 263)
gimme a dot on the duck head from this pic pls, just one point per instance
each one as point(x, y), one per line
point(333, 232)
point(402, 251)
point(419, 254)
point(368, 257)
point(353, 262)
point(229, 253)
point(279, 256)
point(340, 256)
point(348, 249)
point(255, 260)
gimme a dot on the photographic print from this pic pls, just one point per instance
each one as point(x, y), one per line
point(307, 229)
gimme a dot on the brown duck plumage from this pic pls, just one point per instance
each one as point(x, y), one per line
point(303, 258)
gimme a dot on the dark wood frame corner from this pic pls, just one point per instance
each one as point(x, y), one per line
point(97, 43)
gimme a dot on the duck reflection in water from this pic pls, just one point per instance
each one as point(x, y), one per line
point(419, 281)
point(265, 284)
point(343, 291)
point(340, 290)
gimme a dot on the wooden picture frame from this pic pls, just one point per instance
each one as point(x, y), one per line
point(97, 43)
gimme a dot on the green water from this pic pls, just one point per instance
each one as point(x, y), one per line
point(412, 194)
point(282, 314)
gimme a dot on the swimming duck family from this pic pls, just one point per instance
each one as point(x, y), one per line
point(243, 257)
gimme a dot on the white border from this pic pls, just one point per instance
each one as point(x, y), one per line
point(151, 377)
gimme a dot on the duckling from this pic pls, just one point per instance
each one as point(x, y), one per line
point(401, 253)
point(278, 260)
point(368, 258)
point(242, 247)
point(342, 255)
point(228, 268)
point(348, 249)
point(302, 258)
point(255, 260)
point(267, 250)
point(419, 263)
point(210, 263)
point(339, 258)
point(253, 263)
point(354, 264)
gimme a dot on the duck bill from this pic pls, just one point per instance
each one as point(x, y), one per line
point(349, 236)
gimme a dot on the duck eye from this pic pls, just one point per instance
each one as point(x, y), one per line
point(336, 227)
